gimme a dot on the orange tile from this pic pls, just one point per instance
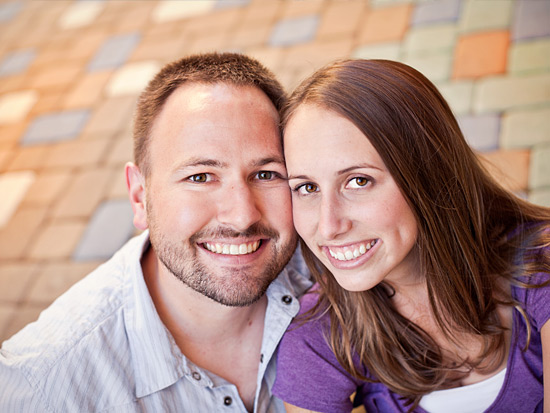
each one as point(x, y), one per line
point(341, 18)
point(20, 231)
point(385, 24)
point(481, 54)
point(10, 134)
point(87, 90)
point(250, 36)
point(261, 12)
point(301, 8)
point(509, 167)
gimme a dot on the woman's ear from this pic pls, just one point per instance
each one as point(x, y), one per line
point(135, 182)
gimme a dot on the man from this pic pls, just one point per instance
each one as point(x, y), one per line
point(187, 316)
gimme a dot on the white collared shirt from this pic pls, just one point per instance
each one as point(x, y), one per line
point(101, 347)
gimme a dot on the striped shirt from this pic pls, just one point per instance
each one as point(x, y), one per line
point(101, 347)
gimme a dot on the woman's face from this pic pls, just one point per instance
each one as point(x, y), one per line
point(346, 205)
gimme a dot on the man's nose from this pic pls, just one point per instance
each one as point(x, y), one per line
point(238, 207)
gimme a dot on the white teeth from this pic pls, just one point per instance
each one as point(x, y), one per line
point(233, 249)
point(352, 254)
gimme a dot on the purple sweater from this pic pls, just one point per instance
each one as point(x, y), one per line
point(309, 376)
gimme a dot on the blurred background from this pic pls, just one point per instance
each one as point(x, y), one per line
point(70, 73)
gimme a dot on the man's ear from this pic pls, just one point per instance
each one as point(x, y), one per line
point(135, 183)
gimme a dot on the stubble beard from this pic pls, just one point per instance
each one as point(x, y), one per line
point(231, 287)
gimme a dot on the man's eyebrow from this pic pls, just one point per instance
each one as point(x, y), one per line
point(200, 162)
point(267, 161)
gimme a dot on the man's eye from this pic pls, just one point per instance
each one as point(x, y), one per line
point(265, 175)
point(199, 178)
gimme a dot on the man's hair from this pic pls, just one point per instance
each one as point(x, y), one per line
point(232, 68)
point(471, 231)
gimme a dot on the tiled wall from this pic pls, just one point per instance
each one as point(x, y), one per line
point(70, 72)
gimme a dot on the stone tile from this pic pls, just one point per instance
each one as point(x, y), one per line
point(486, 15)
point(83, 194)
point(13, 186)
point(87, 91)
point(341, 18)
point(9, 10)
point(112, 116)
point(16, 62)
point(294, 31)
point(510, 168)
point(531, 19)
point(261, 12)
point(30, 157)
point(136, 17)
point(481, 54)
point(56, 76)
point(55, 127)
point(109, 228)
point(13, 83)
point(529, 57)
point(539, 173)
point(6, 157)
point(132, 78)
point(7, 312)
point(49, 102)
point(46, 188)
point(18, 277)
point(160, 48)
point(386, 24)
point(114, 52)
point(458, 95)
point(80, 14)
point(24, 315)
point(389, 51)
point(210, 42)
point(436, 67)
point(15, 106)
point(78, 153)
point(436, 12)
point(20, 232)
point(56, 278)
point(499, 93)
point(85, 46)
point(224, 4)
point(429, 40)
point(481, 131)
point(220, 22)
point(270, 57)
point(168, 10)
point(122, 150)
point(249, 36)
point(301, 8)
point(57, 240)
point(540, 196)
point(525, 128)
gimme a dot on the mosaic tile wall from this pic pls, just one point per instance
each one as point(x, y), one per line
point(70, 72)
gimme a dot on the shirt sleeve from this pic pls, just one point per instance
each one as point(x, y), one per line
point(308, 373)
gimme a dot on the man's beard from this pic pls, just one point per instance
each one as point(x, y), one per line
point(235, 287)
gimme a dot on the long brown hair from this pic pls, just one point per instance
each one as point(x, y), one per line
point(468, 237)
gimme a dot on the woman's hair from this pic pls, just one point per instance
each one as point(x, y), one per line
point(472, 233)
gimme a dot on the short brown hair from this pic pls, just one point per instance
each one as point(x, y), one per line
point(209, 68)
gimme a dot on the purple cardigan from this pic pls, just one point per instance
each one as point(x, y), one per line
point(309, 376)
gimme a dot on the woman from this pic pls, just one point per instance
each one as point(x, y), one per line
point(432, 279)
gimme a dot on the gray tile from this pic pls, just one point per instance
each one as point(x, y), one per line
point(437, 11)
point(295, 30)
point(110, 227)
point(114, 52)
point(225, 4)
point(55, 127)
point(16, 62)
point(482, 131)
point(531, 19)
point(9, 10)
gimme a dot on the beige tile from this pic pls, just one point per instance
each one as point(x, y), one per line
point(80, 14)
point(56, 76)
point(13, 187)
point(112, 116)
point(509, 167)
point(24, 315)
point(341, 18)
point(390, 51)
point(20, 232)
point(16, 280)
point(529, 56)
point(117, 187)
point(11, 133)
point(385, 24)
point(132, 78)
point(83, 194)
point(7, 312)
point(539, 174)
point(87, 91)
point(46, 188)
point(57, 240)
point(77, 153)
point(249, 36)
point(261, 12)
point(29, 157)
point(56, 278)
point(458, 94)
point(122, 150)
point(295, 8)
point(15, 106)
point(485, 14)
point(220, 21)
point(270, 57)
point(168, 10)
point(525, 128)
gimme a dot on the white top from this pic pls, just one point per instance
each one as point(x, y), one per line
point(473, 398)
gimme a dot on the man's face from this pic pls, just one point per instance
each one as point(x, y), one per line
point(217, 202)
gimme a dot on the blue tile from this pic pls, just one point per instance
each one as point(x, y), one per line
point(9, 10)
point(531, 19)
point(16, 62)
point(438, 11)
point(293, 31)
point(109, 228)
point(481, 132)
point(114, 52)
point(225, 4)
point(55, 127)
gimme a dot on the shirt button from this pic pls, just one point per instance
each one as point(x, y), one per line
point(262, 358)
point(227, 401)
point(196, 375)
point(287, 299)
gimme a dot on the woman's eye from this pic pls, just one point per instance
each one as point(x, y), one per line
point(358, 182)
point(203, 177)
point(305, 189)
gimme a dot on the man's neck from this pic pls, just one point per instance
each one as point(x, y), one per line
point(223, 340)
